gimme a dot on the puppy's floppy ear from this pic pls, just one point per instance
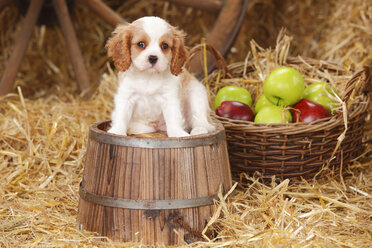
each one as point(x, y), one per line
point(118, 46)
point(179, 52)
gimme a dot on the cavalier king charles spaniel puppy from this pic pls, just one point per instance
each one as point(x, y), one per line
point(155, 91)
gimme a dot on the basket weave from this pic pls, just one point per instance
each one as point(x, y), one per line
point(296, 149)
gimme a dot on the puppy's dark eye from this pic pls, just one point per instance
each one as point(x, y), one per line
point(164, 46)
point(141, 44)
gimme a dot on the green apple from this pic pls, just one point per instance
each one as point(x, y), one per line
point(273, 114)
point(261, 102)
point(284, 86)
point(317, 93)
point(233, 93)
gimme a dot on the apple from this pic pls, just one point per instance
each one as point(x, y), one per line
point(317, 93)
point(284, 86)
point(232, 93)
point(235, 110)
point(308, 111)
point(273, 114)
point(261, 102)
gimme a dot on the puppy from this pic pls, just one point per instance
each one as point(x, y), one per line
point(155, 92)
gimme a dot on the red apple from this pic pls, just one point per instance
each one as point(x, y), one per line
point(235, 110)
point(308, 111)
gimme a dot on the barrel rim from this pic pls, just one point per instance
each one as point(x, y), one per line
point(146, 204)
point(97, 134)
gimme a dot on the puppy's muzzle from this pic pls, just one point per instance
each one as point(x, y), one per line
point(153, 59)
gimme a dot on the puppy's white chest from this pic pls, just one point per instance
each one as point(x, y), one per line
point(148, 89)
point(148, 107)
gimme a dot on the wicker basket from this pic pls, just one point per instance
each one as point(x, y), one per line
point(296, 149)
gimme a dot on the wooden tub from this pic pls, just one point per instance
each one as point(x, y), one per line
point(143, 189)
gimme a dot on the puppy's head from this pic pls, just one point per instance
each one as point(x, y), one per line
point(150, 44)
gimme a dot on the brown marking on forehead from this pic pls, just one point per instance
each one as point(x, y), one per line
point(139, 33)
point(141, 36)
point(167, 38)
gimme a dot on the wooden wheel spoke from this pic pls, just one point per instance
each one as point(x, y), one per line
point(223, 33)
point(213, 6)
point(20, 47)
point(106, 13)
point(4, 3)
point(72, 45)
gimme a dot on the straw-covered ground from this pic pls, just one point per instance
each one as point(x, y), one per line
point(44, 127)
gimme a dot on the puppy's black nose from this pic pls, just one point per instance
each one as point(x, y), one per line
point(153, 59)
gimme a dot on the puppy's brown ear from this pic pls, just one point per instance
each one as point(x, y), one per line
point(118, 47)
point(179, 52)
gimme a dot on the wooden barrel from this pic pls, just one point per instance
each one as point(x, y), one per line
point(151, 190)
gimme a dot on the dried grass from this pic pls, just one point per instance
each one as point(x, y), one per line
point(44, 127)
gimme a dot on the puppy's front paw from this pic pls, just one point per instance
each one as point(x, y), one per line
point(203, 129)
point(177, 133)
point(198, 130)
point(117, 130)
point(210, 127)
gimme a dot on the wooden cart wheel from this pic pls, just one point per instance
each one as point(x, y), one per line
point(230, 17)
point(227, 24)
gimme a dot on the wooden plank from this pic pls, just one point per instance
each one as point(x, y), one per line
point(119, 227)
point(213, 6)
point(136, 215)
point(125, 184)
point(203, 189)
point(102, 178)
point(106, 13)
point(20, 47)
point(73, 48)
point(224, 156)
point(162, 175)
point(4, 3)
point(222, 34)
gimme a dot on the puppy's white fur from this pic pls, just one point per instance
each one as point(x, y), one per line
point(160, 96)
